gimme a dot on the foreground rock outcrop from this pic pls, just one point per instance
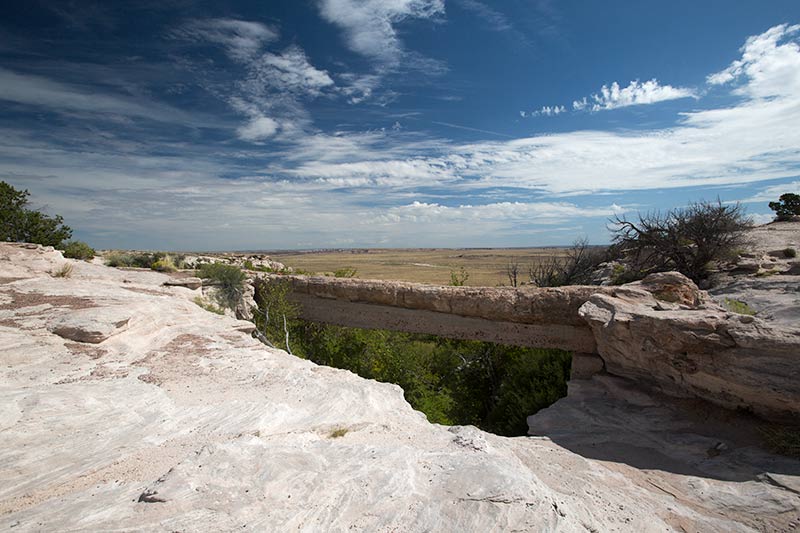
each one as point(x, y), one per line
point(126, 406)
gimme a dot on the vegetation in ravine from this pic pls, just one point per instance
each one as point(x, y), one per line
point(492, 386)
point(784, 440)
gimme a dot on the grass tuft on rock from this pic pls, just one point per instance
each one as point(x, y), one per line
point(338, 433)
point(64, 271)
point(739, 307)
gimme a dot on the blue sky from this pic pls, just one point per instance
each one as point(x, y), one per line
point(180, 124)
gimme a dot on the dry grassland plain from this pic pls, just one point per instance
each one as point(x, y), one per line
point(487, 267)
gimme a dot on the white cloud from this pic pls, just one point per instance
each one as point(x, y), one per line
point(369, 25)
point(271, 93)
point(773, 193)
point(548, 111)
point(636, 93)
point(289, 71)
point(580, 105)
point(402, 188)
point(504, 212)
point(496, 20)
point(60, 97)
point(242, 39)
point(755, 140)
point(359, 88)
point(259, 128)
point(768, 66)
point(761, 218)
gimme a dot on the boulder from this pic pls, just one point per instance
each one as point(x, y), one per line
point(695, 348)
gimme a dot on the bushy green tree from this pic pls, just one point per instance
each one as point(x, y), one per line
point(20, 224)
point(788, 207)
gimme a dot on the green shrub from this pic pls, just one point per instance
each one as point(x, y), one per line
point(118, 259)
point(790, 253)
point(230, 280)
point(346, 272)
point(78, 250)
point(458, 279)
point(128, 259)
point(165, 264)
point(144, 260)
point(248, 265)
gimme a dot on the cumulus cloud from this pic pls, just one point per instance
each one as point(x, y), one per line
point(769, 66)
point(509, 212)
point(754, 140)
point(270, 93)
point(289, 71)
point(259, 128)
point(636, 93)
point(403, 188)
point(369, 25)
point(773, 193)
point(545, 111)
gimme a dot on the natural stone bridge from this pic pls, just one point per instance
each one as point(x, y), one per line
point(661, 332)
point(545, 318)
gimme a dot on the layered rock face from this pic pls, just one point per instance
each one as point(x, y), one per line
point(664, 332)
point(125, 406)
point(240, 260)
